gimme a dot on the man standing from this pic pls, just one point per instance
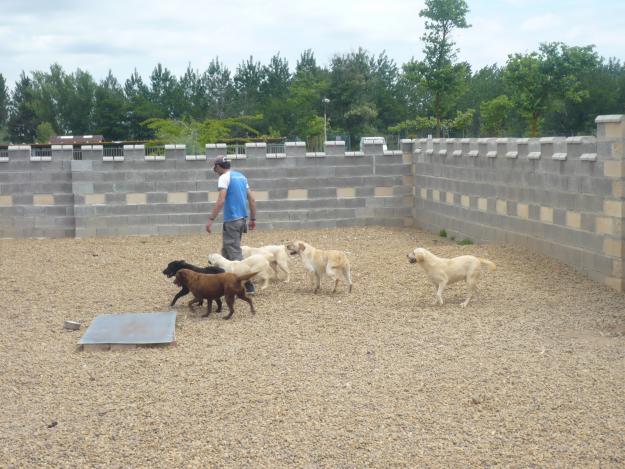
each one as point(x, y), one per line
point(234, 192)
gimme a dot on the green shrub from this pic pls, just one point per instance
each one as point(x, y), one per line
point(442, 233)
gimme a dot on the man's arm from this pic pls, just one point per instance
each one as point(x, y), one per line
point(252, 201)
point(216, 209)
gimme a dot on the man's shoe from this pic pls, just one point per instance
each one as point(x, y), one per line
point(249, 288)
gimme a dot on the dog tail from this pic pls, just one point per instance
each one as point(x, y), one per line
point(491, 265)
point(245, 277)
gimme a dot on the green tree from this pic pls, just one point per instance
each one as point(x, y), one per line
point(44, 132)
point(443, 78)
point(308, 86)
point(273, 94)
point(529, 88)
point(483, 85)
point(462, 121)
point(4, 102)
point(110, 109)
point(494, 115)
point(351, 93)
point(195, 134)
point(165, 93)
point(78, 102)
point(248, 79)
point(219, 88)
point(385, 91)
point(551, 85)
point(572, 70)
point(417, 127)
point(194, 95)
point(22, 117)
point(140, 108)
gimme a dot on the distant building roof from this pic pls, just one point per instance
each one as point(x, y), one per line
point(75, 139)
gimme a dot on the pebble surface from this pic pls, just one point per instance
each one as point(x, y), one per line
point(532, 374)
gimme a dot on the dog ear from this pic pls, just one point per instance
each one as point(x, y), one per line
point(419, 257)
point(301, 247)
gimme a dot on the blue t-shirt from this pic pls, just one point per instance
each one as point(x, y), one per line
point(235, 185)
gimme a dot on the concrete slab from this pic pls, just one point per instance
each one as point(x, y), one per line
point(130, 329)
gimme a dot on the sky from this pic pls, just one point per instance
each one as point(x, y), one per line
point(124, 35)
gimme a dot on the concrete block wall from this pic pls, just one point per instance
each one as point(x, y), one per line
point(131, 193)
point(36, 198)
point(563, 197)
point(176, 195)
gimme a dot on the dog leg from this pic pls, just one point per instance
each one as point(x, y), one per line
point(244, 297)
point(218, 301)
point(336, 283)
point(472, 278)
point(209, 308)
point(285, 271)
point(471, 288)
point(265, 280)
point(183, 291)
point(439, 292)
point(317, 281)
point(230, 303)
point(348, 279)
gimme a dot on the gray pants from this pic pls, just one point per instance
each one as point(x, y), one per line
point(232, 233)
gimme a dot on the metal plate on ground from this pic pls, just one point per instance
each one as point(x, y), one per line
point(131, 328)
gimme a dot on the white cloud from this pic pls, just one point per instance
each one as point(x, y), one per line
point(541, 23)
point(124, 35)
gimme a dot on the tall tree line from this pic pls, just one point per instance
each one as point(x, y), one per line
point(556, 90)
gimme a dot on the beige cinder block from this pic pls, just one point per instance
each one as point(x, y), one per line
point(604, 225)
point(523, 211)
point(177, 197)
point(345, 192)
point(546, 214)
point(43, 199)
point(383, 192)
point(613, 247)
point(136, 198)
point(613, 208)
point(502, 207)
point(298, 194)
point(261, 195)
point(6, 200)
point(574, 219)
point(482, 204)
point(465, 201)
point(614, 169)
point(95, 199)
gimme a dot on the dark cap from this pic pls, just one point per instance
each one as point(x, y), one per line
point(222, 161)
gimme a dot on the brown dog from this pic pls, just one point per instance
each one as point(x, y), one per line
point(213, 286)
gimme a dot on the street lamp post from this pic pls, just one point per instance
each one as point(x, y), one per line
point(325, 120)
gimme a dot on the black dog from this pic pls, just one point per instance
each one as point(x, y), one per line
point(175, 266)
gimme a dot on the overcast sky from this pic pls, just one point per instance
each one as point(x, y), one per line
point(122, 35)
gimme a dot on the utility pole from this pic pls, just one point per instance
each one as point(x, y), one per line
point(325, 120)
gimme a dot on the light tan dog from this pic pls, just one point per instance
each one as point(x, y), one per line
point(256, 263)
point(334, 264)
point(442, 272)
point(276, 255)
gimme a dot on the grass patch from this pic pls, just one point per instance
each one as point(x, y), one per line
point(465, 242)
point(442, 233)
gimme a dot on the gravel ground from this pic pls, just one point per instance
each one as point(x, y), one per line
point(531, 375)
